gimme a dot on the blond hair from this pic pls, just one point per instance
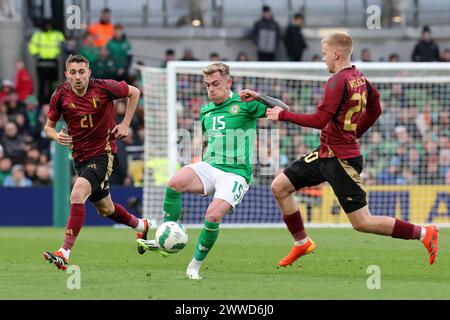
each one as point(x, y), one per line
point(220, 67)
point(341, 40)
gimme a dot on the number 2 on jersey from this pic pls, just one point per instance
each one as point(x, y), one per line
point(361, 105)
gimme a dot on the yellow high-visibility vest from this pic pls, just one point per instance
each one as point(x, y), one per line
point(160, 169)
point(46, 44)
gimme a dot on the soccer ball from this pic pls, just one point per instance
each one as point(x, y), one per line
point(171, 236)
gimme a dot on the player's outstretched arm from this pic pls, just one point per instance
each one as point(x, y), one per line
point(317, 120)
point(278, 111)
point(61, 137)
point(272, 102)
point(121, 129)
point(249, 95)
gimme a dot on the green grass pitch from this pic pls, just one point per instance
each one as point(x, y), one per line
point(242, 265)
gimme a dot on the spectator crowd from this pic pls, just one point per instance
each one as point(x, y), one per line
point(25, 152)
point(408, 145)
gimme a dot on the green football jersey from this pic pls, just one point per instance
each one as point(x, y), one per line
point(231, 131)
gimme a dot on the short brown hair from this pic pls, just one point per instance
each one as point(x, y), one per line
point(220, 67)
point(118, 26)
point(77, 59)
point(341, 40)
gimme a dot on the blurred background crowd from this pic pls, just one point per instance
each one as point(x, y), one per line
point(408, 145)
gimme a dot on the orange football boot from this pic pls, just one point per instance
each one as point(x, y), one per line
point(296, 252)
point(430, 241)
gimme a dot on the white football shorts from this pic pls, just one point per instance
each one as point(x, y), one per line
point(227, 186)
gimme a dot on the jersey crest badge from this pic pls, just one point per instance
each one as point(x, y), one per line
point(235, 109)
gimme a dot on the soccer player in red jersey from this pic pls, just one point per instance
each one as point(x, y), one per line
point(350, 106)
point(87, 107)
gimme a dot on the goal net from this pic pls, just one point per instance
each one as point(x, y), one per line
point(406, 153)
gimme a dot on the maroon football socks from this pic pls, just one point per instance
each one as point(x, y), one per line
point(294, 223)
point(121, 215)
point(405, 230)
point(76, 221)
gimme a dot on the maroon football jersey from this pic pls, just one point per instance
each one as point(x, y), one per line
point(347, 95)
point(90, 118)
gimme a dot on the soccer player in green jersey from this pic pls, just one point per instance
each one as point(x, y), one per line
point(225, 171)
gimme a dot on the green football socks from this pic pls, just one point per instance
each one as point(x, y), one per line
point(172, 205)
point(206, 240)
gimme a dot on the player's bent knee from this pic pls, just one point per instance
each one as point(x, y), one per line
point(361, 226)
point(356, 227)
point(275, 188)
point(214, 218)
point(175, 184)
point(105, 211)
point(77, 196)
point(279, 190)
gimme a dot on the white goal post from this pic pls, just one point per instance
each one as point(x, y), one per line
point(406, 153)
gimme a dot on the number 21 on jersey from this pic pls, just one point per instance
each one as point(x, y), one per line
point(86, 121)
